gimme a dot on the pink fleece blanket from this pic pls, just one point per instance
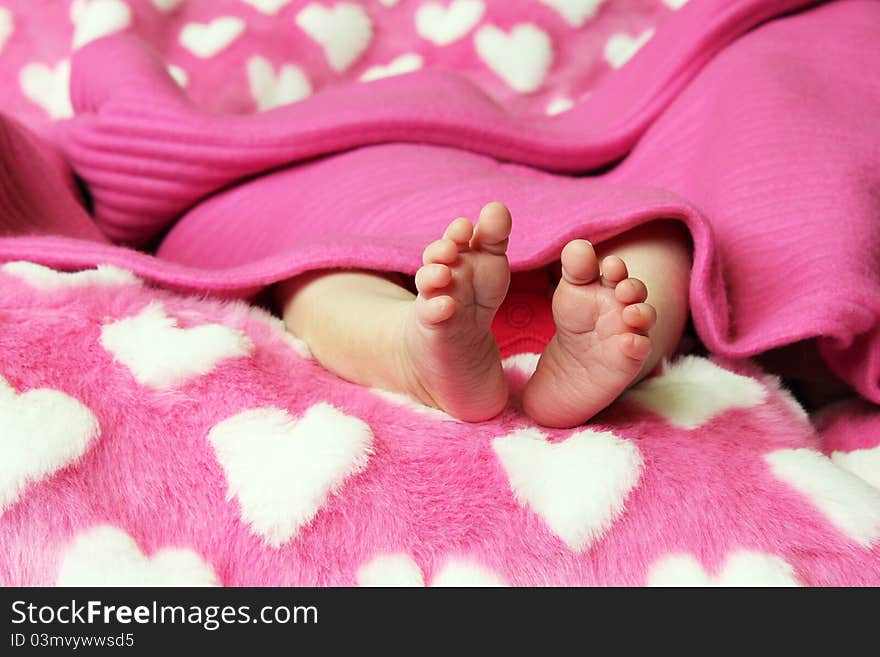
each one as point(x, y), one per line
point(236, 460)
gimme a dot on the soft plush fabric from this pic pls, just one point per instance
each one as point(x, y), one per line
point(755, 133)
point(154, 438)
point(150, 438)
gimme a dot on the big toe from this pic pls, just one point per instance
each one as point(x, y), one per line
point(579, 263)
point(493, 228)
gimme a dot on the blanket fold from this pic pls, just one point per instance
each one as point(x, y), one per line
point(755, 133)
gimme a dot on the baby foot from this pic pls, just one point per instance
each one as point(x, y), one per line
point(601, 340)
point(451, 358)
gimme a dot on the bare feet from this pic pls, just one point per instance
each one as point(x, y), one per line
point(601, 340)
point(450, 357)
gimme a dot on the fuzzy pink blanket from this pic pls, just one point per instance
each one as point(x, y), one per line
point(186, 441)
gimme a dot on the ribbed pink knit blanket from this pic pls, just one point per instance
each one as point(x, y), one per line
point(750, 121)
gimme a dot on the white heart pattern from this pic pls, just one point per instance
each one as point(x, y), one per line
point(675, 4)
point(97, 18)
point(558, 106)
point(270, 90)
point(575, 12)
point(270, 7)
point(48, 87)
point(161, 355)
point(400, 570)
point(521, 58)
point(848, 501)
point(444, 25)
point(7, 26)
point(458, 573)
point(344, 32)
point(397, 569)
point(206, 40)
point(282, 469)
point(620, 48)
point(166, 5)
point(406, 63)
point(181, 77)
point(578, 486)
point(864, 463)
point(107, 556)
point(741, 568)
point(692, 390)
point(47, 279)
point(43, 431)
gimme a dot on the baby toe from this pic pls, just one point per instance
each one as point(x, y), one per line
point(579, 264)
point(443, 251)
point(460, 231)
point(493, 228)
point(631, 290)
point(635, 346)
point(436, 310)
point(641, 316)
point(613, 270)
point(432, 277)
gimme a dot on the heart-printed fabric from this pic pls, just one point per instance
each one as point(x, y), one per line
point(343, 31)
point(577, 486)
point(282, 469)
point(108, 556)
point(209, 39)
point(159, 354)
point(43, 431)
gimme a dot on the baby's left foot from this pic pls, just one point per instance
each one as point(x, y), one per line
point(601, 340)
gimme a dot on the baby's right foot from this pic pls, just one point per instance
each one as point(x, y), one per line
point(450, 357)
point(601, 340)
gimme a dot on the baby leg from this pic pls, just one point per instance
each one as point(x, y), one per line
point(611, 330)
point(435, 346)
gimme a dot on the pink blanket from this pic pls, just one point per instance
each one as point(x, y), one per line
point(749, 121)
point(755, 134)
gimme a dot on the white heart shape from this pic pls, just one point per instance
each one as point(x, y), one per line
point(282, 469)
point(741, 568)
point(578, 486)
point(526, 363)
point(693, 390)
point(400, 399)
point(864, 463)
point(620, 48)
point(675, 4)
point(48, 87)
point(521, 58)
point(397, 570)
point(400, 570)
point(270, 90)
point(444, 25)
point(206, 40)
point(98, 18)
point(43, 431)
point(107, 556)
point(166, 6)
point(406, 63)
point(344, 32)
point(575, 12)
point(6, 26)
point(558, 106)
point(270, 7)
point(161, 355)
point(181, 77)
point(44, 278)
point(462, 573)
point(849, 502)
